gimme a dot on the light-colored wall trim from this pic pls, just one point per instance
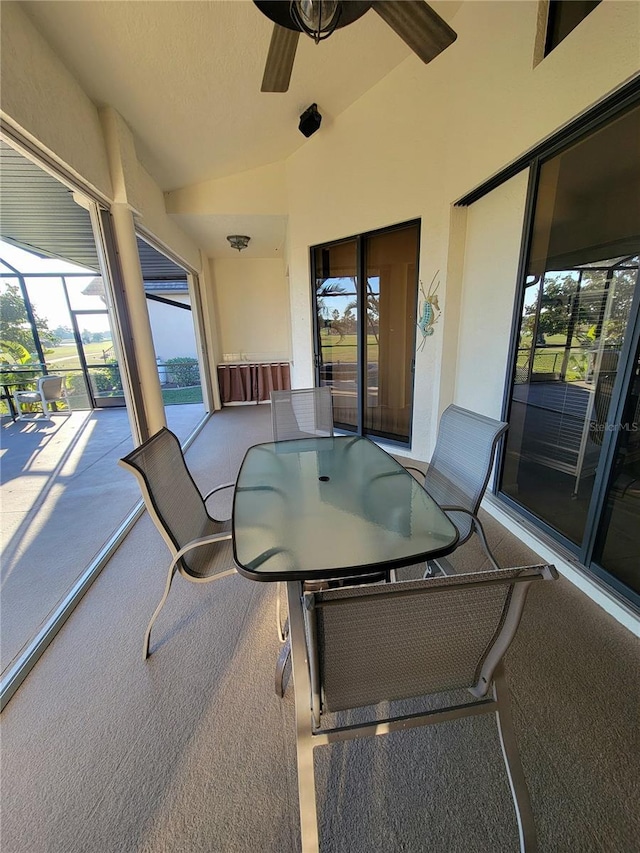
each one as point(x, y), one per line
point(489, 286)
point(258, 192)
point(541, 32)
point(139, 316)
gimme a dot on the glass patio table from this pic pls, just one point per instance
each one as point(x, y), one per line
point(318, 508)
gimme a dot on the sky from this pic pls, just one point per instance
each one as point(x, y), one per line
point(346, 296)
point(46, 294)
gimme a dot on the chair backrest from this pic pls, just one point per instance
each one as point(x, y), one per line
point(301, 413)
point(413, 638)
point(170, 494)
point(51, 386)
point(459, 469)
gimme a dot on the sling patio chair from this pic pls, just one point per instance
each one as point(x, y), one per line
point(50, 391)
point(367, 645)
point(459, 471)
point(199, 543)
point(303, 413)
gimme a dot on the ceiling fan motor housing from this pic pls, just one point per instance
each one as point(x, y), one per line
point(280, 12)
point(418, 25)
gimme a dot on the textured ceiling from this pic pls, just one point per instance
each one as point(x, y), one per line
point(186, 75)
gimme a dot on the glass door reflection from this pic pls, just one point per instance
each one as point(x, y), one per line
point(573, 327)
point(336, 296)
point(390, 300)
point(618, 545)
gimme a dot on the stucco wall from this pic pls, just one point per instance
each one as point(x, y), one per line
point(252, 302)
point(408, 148)
point(492, 251)
point(44, 102)
point(172, 328)
point(426, 135)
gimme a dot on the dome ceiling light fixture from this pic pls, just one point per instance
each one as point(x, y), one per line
point(238, 241)
point(417, 24)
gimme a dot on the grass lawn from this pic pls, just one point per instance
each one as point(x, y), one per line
point(66, 355)
point(176, 396)
point(550, 359)
point(334, 349)
point(170, 396)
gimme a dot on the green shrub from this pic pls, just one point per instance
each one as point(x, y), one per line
point(106, 380)
point(183, 371)
point(75, 385)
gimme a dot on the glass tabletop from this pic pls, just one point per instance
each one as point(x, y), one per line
point(331, 507)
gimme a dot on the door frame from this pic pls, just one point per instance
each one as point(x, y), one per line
point(602, 115)
point(361, 329)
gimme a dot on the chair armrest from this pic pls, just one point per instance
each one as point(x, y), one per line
point(217, 489)
point(411, 468)
point(479, 529)
point(197, 543)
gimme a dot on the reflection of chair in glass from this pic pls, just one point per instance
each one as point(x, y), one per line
point(459, 470)
point(200, 544)
point(51, 390)
point(367, 645)
point(301, 413)
point(595, 418)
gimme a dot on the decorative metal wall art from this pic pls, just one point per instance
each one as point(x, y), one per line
point(429, 311)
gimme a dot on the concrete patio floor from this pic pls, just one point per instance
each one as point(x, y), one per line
point(62, 495)
point(192, 751)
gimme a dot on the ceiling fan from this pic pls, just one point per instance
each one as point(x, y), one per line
point(422, 29)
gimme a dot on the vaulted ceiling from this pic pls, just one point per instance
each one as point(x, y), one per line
point(186, 74)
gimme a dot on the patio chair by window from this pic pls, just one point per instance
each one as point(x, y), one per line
point(367, 645)
point(199, 543)
point(301, 413)
point(459, 471)
point(50, 391)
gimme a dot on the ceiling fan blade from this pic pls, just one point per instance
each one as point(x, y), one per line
point(282, 52)
point(426, 33)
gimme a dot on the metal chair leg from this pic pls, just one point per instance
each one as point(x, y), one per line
point(147, 636)
point(283, 627)
point(517, 781)
point(483, 539)
point(281, 663)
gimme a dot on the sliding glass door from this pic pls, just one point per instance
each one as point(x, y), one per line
point(337, 309)
point(365, 292)
point(572, 454)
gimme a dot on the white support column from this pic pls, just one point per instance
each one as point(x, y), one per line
point(210, 328)
point(134, 289)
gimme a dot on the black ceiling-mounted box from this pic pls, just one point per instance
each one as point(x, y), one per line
point(310, 120)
